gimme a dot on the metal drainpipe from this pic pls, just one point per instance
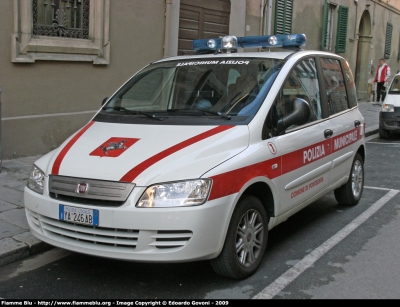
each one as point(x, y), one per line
point(355, 26)
point(269, 28)
point(167, 27)
point(261, 17)
point(1, 160)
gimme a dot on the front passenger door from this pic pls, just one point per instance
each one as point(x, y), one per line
point(304, 149)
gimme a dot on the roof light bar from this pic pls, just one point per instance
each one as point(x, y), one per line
point(231, 42)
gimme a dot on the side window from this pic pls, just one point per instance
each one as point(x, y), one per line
point(335, 86)
point(351, 86)
point(302, 83)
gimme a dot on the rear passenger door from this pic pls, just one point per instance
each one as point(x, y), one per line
point(344, 117)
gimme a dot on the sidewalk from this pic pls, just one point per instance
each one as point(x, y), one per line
point(16, 241)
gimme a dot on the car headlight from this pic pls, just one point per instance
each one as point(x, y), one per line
point(176, 194)
point(387, 107)
point(36, 180)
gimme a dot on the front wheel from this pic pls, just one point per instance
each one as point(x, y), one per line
point(350, 193)
point(245, 240)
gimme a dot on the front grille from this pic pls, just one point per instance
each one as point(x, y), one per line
point(99, 193)
point(391, 123)
point(126, 238)
point(165, 239)
point(109, 239)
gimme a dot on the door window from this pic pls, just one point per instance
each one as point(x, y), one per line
point(335, 86)
point(302, 83)
point(351, 86)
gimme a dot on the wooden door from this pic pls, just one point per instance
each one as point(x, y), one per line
point(202, 19)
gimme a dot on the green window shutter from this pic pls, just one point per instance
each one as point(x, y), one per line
point(283, 16)
point(324, 26)
point(398, 50)
point(341, 35)
point(388, 42)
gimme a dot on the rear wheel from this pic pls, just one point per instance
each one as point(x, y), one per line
point(384, 134)
point(245, 240)
point(350, 193)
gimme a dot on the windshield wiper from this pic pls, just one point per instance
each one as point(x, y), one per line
point(202, 110)
point(214, 113)
point(133, 112)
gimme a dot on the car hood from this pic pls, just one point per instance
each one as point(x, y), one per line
point(144, 154)
point(393, 99)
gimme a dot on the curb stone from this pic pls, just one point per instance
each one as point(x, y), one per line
point(19, 247)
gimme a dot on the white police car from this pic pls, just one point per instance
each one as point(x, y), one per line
point(389, 116)
point(198, 157)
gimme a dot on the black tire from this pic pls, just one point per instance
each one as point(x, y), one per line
point(350, 193)
point(384, 134)
point(227, 263)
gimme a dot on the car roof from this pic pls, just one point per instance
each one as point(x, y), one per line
point(280, 55)
point(269, 55)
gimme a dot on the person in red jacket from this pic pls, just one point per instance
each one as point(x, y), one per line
point(382, 75)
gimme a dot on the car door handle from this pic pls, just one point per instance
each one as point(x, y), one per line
point(328, 133)
point(357, 123)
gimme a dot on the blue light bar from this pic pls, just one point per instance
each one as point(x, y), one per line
point(268, 41)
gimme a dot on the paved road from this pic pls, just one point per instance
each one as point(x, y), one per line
point(324, 251)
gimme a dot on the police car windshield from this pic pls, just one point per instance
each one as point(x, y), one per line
point(223, 87)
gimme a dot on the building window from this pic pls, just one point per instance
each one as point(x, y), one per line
point(341, 34)
point(67, 18)
point(388, 41)
point(283, 16)
point(328, 23)
point(61, 30)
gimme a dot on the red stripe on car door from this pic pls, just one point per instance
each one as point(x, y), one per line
point(137, 170)
point(57, 163)
point(232, 182)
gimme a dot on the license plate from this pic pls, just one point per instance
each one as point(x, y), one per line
point(79, 215)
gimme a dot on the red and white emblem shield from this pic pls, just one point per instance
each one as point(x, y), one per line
point(113, 147)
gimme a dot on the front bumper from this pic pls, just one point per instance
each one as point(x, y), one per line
point(390, 120)
point(137, 234)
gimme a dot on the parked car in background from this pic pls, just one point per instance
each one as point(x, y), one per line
point(389, 116)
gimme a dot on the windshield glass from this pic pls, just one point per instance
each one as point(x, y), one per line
point(395, 87)
point(222, 88)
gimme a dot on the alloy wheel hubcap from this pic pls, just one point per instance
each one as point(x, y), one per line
point(357, 179)
point(249, 237)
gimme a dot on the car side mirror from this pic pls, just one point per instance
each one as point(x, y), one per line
point(104, 101)
point(299, 116)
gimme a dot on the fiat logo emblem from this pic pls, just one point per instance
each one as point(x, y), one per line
point(82, 188)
